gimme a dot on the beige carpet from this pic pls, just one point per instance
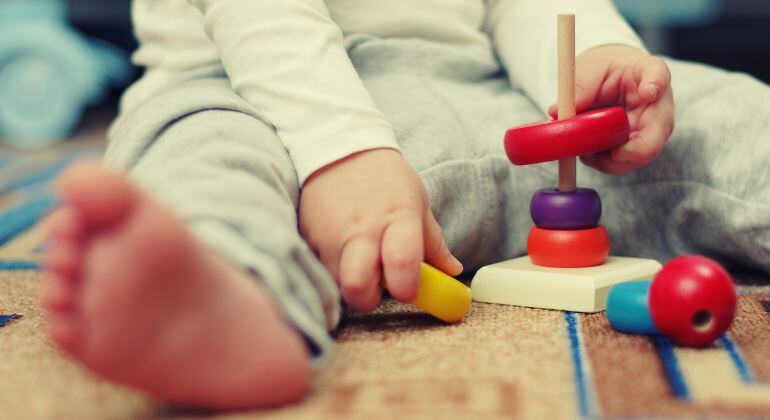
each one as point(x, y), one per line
point(500, 362)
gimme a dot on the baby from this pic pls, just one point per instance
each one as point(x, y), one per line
point(285, 155)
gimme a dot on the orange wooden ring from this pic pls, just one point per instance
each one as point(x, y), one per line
point(568, 248)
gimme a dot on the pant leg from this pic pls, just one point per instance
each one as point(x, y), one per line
point(204, 153)
point(709, 191)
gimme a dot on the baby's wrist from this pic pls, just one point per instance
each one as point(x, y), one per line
point(375, 158)
point(614, 50)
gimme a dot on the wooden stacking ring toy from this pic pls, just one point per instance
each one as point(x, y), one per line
point(567, 237)
point(554, 209)
point(586, 133)
point(568, 248)
point(691, 301)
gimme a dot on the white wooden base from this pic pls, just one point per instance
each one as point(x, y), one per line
point(521, 283)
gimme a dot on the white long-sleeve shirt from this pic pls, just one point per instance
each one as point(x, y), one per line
point(288, 60)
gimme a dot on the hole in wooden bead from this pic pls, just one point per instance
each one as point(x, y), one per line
point(702, 321)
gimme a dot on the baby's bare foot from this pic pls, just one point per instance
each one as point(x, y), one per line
point(138, 300)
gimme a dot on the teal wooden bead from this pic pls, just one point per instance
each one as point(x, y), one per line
point(628, 308)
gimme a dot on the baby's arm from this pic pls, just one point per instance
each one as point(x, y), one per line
point(612, 69)
point(287, 59)
point(363, 209)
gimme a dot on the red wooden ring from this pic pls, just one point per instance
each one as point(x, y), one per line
point(568, 248)
point(586, 133)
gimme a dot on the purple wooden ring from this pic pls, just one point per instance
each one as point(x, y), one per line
point(554, 209)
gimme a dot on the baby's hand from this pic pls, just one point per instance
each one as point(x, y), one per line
point(368, 219)
point(620, 75)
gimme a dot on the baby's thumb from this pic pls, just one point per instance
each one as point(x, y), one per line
point(586, 91)
point(437, 252)
point(653, 78)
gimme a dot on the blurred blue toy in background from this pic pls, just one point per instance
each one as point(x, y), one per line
point(670, 13)
point(49, 73)
point(654, 18)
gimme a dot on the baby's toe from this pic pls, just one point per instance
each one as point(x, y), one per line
point(65, 224)
point(102, 198)
point(63, 260)
point(65, 329)
point(59, 295)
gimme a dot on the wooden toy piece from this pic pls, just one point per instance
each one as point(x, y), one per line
point(519, 282)
point(628, 310)
point(588, 132)
point(692, 300)
point(568, 248)
point(554, 209)
point(540, 279)
point(566, 99)
point(441, 295)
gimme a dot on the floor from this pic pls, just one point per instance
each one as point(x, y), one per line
point(500, 362)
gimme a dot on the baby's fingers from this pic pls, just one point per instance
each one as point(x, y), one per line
point(360, 273)
point(436, 251)
point(656, 124)
point(642, 148)
point(402, 253)
point(652, 77)
point(654, 128)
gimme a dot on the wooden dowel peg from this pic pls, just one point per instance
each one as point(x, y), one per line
point(566, 100)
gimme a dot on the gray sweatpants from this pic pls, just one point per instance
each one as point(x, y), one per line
point(213, 159)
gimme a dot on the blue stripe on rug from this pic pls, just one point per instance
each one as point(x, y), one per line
point(40, 176)
point(752, 289)
point(671, 367)
point(766, 304)
point(5, 319)
point(735, 356)
point(18, 265)
point(581, 376)
point(20, 218)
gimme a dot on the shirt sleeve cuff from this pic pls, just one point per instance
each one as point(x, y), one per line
point(600, 30)
point(315, 155)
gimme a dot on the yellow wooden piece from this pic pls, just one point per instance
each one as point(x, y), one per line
point(441, 295)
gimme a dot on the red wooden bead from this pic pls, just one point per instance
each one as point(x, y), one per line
point(568, 248)
point(588, 132)
point(692, 300)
